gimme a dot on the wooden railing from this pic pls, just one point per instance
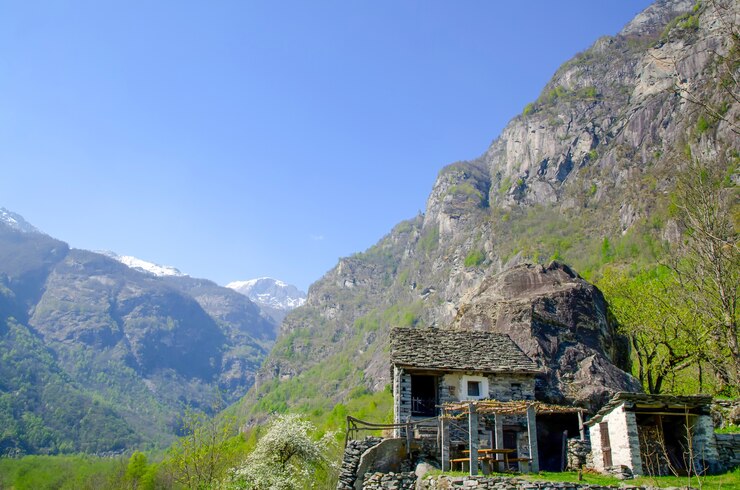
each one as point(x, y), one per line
point(356, 426)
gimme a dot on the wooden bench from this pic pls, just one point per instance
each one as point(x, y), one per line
point(528, 461)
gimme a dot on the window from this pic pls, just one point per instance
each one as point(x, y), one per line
point(473, 388)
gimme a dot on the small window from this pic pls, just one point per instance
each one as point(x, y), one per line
point(473, 388)
point(516, 386)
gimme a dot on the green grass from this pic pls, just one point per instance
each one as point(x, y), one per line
point(59, 472)
point(730, 429)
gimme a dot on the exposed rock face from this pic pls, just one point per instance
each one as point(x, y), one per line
point(593, 160)
point(559, 320)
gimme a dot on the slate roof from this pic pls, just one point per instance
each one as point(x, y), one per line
point(458, 350)
point(648, 401)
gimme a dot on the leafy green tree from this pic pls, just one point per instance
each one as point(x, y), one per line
point(136, 469)
point(201, 458)
point(285, 458)
point(662, 334)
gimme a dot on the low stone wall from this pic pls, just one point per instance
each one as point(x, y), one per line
point(503, 483)
point(395, 481)
point(725, 413)
point(728, 447)
point(351, 460)
point(579, 455)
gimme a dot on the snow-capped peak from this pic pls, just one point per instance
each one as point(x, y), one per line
point(16, 221)
point(270, 292)
point(143, 265)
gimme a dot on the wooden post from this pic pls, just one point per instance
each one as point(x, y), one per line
point(409, 435)
point(445, 443)
point(564, 452)
point(532, 433)
point(581, 428)
point(498, 424)
point(473, 438)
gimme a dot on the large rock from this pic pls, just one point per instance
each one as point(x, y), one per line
point(560, 321)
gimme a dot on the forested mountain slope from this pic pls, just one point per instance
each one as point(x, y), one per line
point(100, 357)
point(584, 175)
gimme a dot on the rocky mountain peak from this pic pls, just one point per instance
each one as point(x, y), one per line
point(276, 298)
point(143, 265)
point(653, 19)
point(16, 221)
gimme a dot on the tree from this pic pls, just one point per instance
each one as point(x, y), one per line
point(707, 262)
point(201, 458)
point(684, 312)
point(285, 458)
point(136, 469)
point(663, 335)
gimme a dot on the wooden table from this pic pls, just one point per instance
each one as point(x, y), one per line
point(489, 456)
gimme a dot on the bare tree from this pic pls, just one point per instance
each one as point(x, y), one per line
point(707, 262)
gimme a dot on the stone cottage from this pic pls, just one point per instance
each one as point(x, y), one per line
point(654, 434)
point(433, 366)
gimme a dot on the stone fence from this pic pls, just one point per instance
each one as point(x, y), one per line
point(728, 447)
point(350, 462)
point(504, 483)
point(395, 481)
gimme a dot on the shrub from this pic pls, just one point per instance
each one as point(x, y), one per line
point(475, 258)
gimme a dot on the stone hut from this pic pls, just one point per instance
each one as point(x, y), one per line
point(654, 435)
point(433, 366)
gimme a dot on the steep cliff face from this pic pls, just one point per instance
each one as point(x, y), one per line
point(591, 161)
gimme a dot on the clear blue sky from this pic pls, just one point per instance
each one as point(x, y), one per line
point(236, 139)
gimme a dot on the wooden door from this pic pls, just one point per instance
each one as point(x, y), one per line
point(606, 447)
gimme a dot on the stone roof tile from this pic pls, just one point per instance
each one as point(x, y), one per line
point(458, 350)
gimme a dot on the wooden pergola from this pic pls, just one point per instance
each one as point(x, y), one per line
point(473, 409)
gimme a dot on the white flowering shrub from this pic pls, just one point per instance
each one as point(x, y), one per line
point(285, 458)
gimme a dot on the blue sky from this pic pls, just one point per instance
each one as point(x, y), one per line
point(237, 139)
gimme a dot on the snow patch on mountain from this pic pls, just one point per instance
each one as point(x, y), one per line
point(16, 221)
point(143, 265)
point(270, 292)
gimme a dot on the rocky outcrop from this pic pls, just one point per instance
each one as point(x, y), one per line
point(560, 321)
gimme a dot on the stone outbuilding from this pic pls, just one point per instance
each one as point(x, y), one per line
point(654, 435)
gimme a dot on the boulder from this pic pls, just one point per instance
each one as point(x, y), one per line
point(560, 321)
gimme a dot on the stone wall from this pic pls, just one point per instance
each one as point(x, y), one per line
point(395, 481)
point(705, 445)
point(511, 387)
point(728, 447)
point(726, 413)
point(351, 460)
point(623, 439)
point(579, 455)
point(401, 399)
point(502, 483)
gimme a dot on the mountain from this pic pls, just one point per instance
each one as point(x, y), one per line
point(142, 265)
point(16, 222)
point(585, 175)
point(274, 297)
point(99, 356)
